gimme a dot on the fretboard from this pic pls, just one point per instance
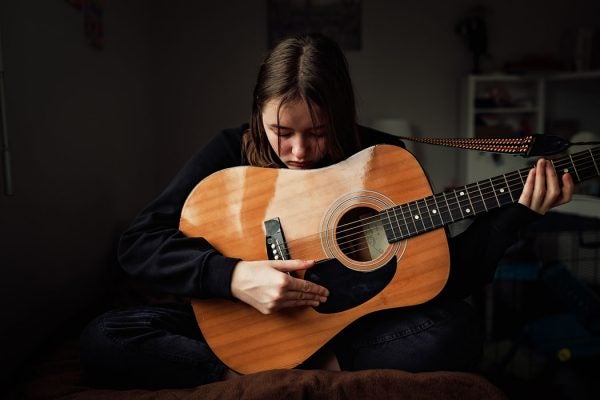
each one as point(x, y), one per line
point(444, 208)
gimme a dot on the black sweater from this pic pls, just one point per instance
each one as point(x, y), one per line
point(153, 249)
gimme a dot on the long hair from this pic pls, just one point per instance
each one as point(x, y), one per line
point(313, 69)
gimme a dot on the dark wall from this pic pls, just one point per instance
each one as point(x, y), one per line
point(95, 134)
point(82, 136)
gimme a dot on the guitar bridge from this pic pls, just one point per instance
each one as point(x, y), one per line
point(275, 241)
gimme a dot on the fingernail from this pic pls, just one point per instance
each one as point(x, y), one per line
point(323, 299)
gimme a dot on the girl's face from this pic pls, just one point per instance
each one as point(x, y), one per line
point(297, 142)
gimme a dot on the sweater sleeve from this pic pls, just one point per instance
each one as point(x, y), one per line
point(155, 251)
point(475, 253)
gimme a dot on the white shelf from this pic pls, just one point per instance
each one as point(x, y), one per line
point(522, 108)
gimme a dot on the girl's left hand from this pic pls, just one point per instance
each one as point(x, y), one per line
point(542, 190)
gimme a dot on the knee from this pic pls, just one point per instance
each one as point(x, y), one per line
point(95, 345)
point(426, 338)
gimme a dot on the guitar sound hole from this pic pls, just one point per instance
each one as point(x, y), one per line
point(360, 234)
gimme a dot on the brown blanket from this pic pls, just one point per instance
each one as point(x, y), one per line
point(57, 376)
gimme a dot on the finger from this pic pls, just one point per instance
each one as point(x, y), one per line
point(301, 285)
point(298, 303)
point(299, 295)
point(292, 265)
point(296, 299)
point(553, 191)
point(525, 197)
point(568, 188)
point(539, 187)
point(566, 194)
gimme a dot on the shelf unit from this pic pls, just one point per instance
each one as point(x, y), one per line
point(499, 105)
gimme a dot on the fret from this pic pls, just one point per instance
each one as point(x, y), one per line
point(509, 186)
point(444, 208)
point(501, 191)
point(514, 180)
point(434, 211)
point(416, 216)
point(394, 225)
point(476, 199)
point(470, 200)
point(455, 213)
point(586, 166)
point(425, 214)
point(461, 199)
point(400, 224)
point(565, 166)
point(410, 218)
point(489, 196)
point(457, 204)
point(387, 227)
point(481, 196)
point(574, 168)
point(521, 172)
point(493, 190)
point(392, 230)
point(561, 167)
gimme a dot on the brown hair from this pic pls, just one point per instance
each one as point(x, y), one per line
point(313, 69)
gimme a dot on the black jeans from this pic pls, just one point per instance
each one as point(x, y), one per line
point(161, 346)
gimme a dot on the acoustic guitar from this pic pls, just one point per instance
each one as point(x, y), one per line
point(372, 223)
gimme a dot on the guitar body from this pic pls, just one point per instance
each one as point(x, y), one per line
point(230, 207)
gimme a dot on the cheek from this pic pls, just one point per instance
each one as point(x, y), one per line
point(278, 145)
point(273, 141)
point(320, 147)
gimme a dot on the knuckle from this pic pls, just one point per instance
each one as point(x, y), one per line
point(284, 281)
point(306, 286)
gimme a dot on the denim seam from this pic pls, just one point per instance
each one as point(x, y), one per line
point(422, 327)
point(170, 356)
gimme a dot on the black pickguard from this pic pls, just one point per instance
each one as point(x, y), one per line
point(348, 288)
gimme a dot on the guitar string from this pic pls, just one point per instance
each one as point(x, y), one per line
point(359, 224)
point(359, 233)
point(479, 201)
point(476, 201)
point(509, 179)
point(450, 197)
point(361, 239)
point(421, 207)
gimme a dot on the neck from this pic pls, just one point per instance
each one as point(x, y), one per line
point(440, 209)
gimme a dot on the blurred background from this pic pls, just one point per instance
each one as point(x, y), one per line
point(103, 102)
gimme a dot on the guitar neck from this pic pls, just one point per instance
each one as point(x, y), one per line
point(420, 216)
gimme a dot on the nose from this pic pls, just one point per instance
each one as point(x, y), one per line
point(300, 147)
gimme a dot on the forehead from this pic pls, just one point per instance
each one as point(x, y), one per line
point(296, 111)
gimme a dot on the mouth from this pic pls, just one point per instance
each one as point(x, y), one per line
point(299, 165)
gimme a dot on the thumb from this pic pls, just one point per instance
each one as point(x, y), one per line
point(292, 265)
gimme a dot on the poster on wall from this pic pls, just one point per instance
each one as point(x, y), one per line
point(93, 26)
point(338, 19)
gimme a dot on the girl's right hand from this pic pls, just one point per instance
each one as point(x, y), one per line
point(267, 286)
